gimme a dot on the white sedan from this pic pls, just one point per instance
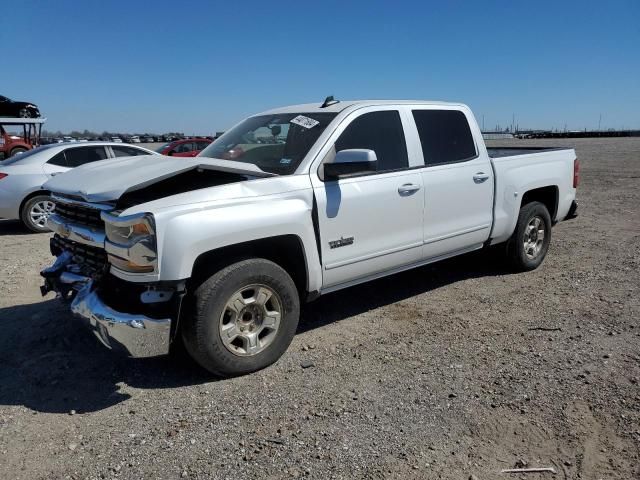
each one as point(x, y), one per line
point(22, 176)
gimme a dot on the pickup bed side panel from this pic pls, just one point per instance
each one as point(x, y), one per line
point(519, 174)
point(186, 236)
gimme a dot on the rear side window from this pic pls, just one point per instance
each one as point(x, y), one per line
point(81, 155)
point(127, 151)
point(59, 160)
point(445, 136)
point(381, 132)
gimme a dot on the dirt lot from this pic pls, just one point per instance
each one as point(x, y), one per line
point(442, 372)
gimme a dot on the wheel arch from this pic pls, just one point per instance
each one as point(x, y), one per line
point(287, 251)
point(548, 196)
point(30, 195)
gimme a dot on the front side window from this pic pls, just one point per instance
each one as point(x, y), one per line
point(445, 136)
point(274, 143)
point(184, 148)
point(163, 147)
point(80, 156)
point(381, 132)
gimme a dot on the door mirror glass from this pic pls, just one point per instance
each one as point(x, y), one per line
point(355, 161)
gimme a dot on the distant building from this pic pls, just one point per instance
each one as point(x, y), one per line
point(496, 135)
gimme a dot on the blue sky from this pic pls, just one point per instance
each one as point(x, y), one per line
point(199, 67)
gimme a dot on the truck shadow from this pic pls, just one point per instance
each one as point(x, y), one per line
point(371, 295)
point(13, 227)
point(49, 365)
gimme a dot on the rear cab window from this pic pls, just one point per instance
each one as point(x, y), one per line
point(445, 136)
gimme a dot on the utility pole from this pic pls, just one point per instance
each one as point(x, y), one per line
point(599, 122)
point(483, 122)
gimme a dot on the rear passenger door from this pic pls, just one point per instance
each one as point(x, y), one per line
point(369, 223)
point(458, 181)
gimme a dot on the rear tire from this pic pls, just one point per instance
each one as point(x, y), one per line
point(36, 211)
point(530, 241)
point(255, 305)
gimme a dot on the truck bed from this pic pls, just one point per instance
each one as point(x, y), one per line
point(499, 152)
point(522, 169)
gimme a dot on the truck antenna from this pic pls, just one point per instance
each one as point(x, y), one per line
point(329, 101)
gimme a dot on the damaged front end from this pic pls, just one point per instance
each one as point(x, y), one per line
point(136, 318)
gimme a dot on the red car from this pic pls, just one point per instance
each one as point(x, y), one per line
point(184, 148)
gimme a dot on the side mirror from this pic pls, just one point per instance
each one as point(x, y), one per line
point(351, 162)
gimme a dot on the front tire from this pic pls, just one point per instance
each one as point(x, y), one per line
point(24, 113)
point(243, 318)
point(530, 241)
point(35, 213)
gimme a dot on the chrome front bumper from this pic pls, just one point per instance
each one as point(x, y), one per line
point(134, 335)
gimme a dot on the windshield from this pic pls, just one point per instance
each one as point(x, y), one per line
point(274, 143)
point(161, 149)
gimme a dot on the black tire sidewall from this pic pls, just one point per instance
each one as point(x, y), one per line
point(26, 218)
point(16, 151)
point(519, 256)
point(201, 330)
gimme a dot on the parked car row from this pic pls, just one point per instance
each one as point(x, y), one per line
point(122, 138)
point(22, 176)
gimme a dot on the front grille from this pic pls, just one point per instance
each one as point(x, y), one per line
point(79, 214)
point(83, 255)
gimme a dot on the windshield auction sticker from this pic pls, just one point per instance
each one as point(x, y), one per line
point(305, 122)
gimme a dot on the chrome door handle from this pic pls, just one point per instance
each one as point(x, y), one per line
point(408, 188)
point(480, 177)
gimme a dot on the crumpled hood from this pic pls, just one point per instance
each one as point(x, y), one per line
point(107, 180)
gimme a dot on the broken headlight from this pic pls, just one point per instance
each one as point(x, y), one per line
point(131, 242)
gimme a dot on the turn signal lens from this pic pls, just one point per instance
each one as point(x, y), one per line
point(140, 229)
point(128, 265)
point(576, 173)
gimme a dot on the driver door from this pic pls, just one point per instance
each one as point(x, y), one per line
point(370, 223)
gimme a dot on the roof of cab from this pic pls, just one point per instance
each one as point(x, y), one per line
point(343, 104)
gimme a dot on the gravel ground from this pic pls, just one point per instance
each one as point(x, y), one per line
point(442, 372)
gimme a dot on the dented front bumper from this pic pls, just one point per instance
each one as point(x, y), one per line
point(137, 320)
point(134, 335)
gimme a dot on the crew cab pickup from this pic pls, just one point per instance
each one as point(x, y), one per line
point(218, 251)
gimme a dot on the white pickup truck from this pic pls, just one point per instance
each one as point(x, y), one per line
point(218, 251)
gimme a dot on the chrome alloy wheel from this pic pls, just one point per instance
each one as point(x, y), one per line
point(534, 237)
point(40, 212)
point(250, 320)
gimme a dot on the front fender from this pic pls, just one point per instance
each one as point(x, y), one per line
point(184, 237)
